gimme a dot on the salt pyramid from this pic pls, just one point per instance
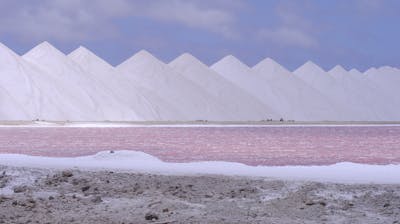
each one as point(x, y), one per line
point(46, 84)
point(235, 100)
point(141, 101)
point(85, 94)
point(277, 87)
point(347, 103)
point(367, 95)
point(189, 100)
point(387, 79)
point(302, 100)
point(15, 89)
point(31, 89)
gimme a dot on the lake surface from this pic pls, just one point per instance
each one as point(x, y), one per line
point(258, 145)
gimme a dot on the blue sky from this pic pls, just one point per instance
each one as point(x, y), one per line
point(354, 33)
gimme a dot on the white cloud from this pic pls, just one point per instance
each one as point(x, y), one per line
point(192, 15)
point(292, 28)
point(58, 19)
point(288, 37)
point(70, 20)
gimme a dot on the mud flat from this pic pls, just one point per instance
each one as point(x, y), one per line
point(43, 195)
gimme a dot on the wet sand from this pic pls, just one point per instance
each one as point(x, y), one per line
point(73, 196)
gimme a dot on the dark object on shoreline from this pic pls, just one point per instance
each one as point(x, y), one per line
point(20, 189)
point(67, 173)
point(151, 216)
point(85, 188)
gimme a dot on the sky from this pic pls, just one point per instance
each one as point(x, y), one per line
point(353, 33)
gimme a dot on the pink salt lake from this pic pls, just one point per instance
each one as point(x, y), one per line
point(294, 145)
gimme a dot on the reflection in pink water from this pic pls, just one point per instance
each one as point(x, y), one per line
point(250, 145)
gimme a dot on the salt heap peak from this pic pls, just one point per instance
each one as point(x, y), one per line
point(82, 52)
point(87, 59)
point(187, 59)
point(44, 48)
point(144, 54)
point(339, 73)
point(141, 57)
point(370, 71)
point(230, 61)
point(234, 70)
point(49, 59)
point(338, 69)
point(270, 67)
point(388, 69)
point(356, 73)
point(266, 62)
point(308, 67)
point(314, 76)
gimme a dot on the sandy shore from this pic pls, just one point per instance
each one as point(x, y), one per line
point(73, 196)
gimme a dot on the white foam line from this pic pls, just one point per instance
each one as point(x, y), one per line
point(132, 161)
point(127, 125)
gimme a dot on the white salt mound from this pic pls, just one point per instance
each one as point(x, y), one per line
point(235, 101)
point(189, 101)
point(132, 161)
point(46, 84)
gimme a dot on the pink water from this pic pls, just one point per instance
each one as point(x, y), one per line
point(250, 145)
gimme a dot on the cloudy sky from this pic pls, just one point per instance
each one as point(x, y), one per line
point(354, 33)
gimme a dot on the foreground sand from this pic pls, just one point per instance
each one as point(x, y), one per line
point(72, 196)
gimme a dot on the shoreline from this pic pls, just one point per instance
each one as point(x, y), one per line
point(105, 124)
point(140, 162)
point(75, 196)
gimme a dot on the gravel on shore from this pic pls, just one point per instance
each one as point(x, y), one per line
point(72, 196)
